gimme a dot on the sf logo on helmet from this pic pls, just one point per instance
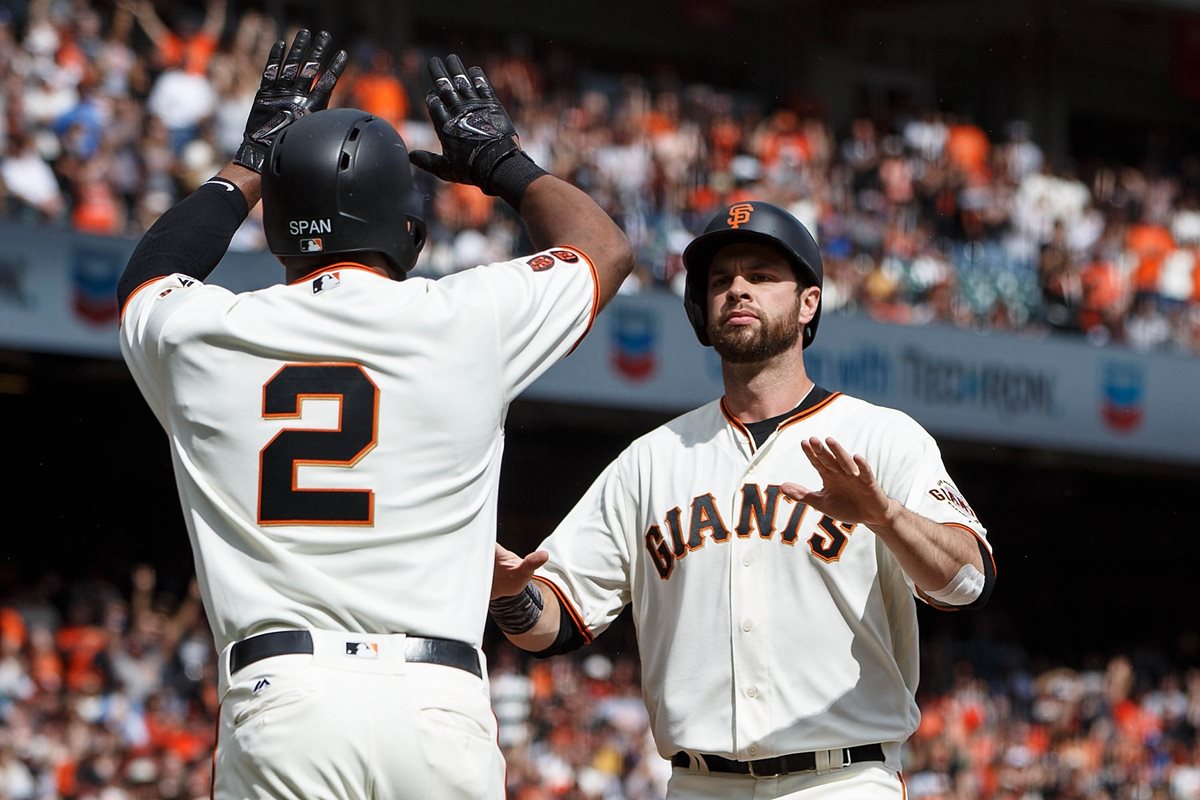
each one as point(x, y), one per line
point(739, 214)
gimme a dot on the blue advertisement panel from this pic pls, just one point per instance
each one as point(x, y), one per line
point(57, 295)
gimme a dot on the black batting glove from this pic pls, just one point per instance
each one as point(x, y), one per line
point(287, 92)
point(479, 143)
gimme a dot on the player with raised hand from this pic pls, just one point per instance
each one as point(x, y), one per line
point(337, 440)
point(769, 543)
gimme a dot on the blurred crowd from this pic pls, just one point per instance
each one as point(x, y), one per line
point(106, 119)
point(108, 693)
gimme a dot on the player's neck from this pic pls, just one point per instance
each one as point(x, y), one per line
point(755, 392)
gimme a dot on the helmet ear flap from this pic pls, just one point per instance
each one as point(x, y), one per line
point(416, 229)
point(695, 308)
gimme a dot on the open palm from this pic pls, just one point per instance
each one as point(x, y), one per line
point(849, 492)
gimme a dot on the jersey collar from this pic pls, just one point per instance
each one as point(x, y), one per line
point(758, 432)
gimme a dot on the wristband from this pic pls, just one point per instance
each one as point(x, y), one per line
point(511, 177)
point(517, 613)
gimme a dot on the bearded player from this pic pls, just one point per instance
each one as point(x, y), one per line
point(770, 545)
point(337, 439)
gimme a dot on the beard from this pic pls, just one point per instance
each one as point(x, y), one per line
point(752, 344)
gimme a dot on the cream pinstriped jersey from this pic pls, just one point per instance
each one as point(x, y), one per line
point(764, 627)
point(337, 441)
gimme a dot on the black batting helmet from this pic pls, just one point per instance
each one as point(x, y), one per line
point(754, 222)
point(339, 181)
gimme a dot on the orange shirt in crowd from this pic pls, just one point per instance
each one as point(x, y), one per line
point(381, 94)
point(968, 147)
point(1103, 293)
point(724, 137)
point(12, 626)
point(1150, 245)
point(81, 644)
point(1195, 298)
point(97, 210)
point(463, 206)
point(192, 53)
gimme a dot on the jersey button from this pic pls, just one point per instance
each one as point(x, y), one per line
point(747, 561)
point(748, 625)
point(752, 692)
point(752, 750)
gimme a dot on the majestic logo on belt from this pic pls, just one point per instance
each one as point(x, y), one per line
point(739, 214)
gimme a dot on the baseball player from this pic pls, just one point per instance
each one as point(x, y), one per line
point(770, 544)
point(337, 439)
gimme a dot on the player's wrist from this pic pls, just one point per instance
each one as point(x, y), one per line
point(517, 614)
point(511, 176)
point(251, 155)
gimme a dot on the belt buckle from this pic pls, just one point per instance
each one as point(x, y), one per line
point(776, 764)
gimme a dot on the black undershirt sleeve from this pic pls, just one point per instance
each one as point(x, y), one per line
point(569, 637)
point(191, 237)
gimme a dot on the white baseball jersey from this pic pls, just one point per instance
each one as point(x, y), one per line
point(765, 627)
point(337, 441)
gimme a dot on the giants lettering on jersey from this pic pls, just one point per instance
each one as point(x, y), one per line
point(757, 511)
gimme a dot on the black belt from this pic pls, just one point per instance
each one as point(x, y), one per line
point(780, 765)
point(448, 652)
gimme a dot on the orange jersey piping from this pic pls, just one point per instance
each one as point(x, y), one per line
point(140, 286)
point(595, 294)
point(575, 616)
point(332, 267)
point(802, 415)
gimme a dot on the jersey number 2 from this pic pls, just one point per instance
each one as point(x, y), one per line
point(280, 502)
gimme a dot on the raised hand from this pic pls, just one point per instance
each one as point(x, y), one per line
point(475, 131)
point(849, 492)
point(512, 572)
point(288, 92)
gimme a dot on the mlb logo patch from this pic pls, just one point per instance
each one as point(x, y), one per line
point(362, 649)
point(327, 281)
point(311, 245)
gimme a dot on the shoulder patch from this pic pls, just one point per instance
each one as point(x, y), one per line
point(565, 256)
point(540, 263)
point(178, 282)
point(948, 493)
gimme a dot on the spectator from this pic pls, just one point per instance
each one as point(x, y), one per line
point(193, 46)
point(376, 88)
point(29, 181)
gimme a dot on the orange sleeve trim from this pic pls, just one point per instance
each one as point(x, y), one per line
point(595, 294)
point(808, 412)
point(977, 536)
point(142, 285)
point(934, 604)
point(575, 616)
